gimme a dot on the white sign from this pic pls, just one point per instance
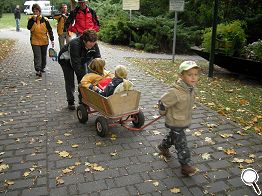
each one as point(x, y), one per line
point(176, 5)
point(131, 4)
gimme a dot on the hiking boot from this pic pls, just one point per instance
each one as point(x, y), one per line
point(164, 151)
point(188, 170)
point(71, 106)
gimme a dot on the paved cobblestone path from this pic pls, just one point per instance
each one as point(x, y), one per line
point(35, 125)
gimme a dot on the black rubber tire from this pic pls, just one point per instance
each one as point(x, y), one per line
point(82, 114)
point(139, 119)
point(101, 126)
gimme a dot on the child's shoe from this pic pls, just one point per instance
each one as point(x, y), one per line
point(71, 106)
point(188, 170)
point(164, 151)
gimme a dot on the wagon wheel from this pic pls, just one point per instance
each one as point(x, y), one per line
point(139, 119)
point(82, 114)
point(101, 126)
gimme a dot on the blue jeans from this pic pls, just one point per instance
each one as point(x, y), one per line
point(17, 21)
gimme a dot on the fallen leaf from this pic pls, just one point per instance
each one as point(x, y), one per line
point(249, 161)
point(113, 153)
point(59, 142)
point(77, 163)
point(230, 151)
point(64, 154)
point(241, 133)
point(98, 143)
point(59, 181)
point(155, 183)
point(26, 173)
point(226, 135)
point(9, 183)
point(205, 156)
point(66, 170)
point(197, 133)
point(74, 146)
point(237, 160)
point(252, 156)
point(175, 190)
point(209, 140)
point(67, 134)
point(1, 153)
point(156, 132)
point(3, 167)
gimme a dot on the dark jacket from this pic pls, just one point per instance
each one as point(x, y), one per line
point(17, 13)
point(80, 57)
point(109, 90)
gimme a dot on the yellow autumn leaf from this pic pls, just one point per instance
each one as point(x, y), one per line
point(77, 163)
point(197, 133)
point(205, 156)
point(59, 142)
point(241, 133)
point(113, 153)
point(230, 151)
point(252, 156)
point(237, 160)
point(3, 167)
point(59, 181)
point(64, 154)
point(72, 167)
point(155, 183)
point(74, 146)
point(156, 132)
point(26, 173)
point(249, 161)
point(9, 183)
point(87, 169)
point(66, 170)
point(67, 134)
point(98, 143)
point(175, 190)
point(226, 135)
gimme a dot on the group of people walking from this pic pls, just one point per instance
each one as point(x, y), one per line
point(81, 56)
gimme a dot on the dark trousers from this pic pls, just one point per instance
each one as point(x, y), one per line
point(39, 57)
point(69, 77)
point(177, 137)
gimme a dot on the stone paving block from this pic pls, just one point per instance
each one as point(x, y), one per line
point(138, 168)
point(90, 187)
point(148, 187)
point(35, 191)
point(196, 191)
point(62, 191)
point(217, 175)
point(195, 180)
point(11, 193)
point(128, 180)
point(109, 173)
point(236, 182)
point(216, 187)
point(114, 191)
point(219, 164)
point(242, 191)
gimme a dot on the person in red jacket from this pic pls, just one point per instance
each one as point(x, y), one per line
point(81, 19)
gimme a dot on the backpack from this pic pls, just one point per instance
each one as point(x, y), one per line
point(72, 17)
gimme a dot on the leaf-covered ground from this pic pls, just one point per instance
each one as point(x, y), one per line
point(6, 46)
point(236, 97)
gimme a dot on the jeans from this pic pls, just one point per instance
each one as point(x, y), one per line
point(177, 137)
point(39, 57)
point(17, 21)
point(69, 77)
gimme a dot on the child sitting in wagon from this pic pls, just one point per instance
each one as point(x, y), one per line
point(118, 84)
point(96, 74)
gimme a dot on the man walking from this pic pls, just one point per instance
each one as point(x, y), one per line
point(17, 17)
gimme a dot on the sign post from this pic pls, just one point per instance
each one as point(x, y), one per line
point(177, 6)
point(131, 5)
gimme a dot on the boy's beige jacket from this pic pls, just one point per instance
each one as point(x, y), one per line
point(178, 102)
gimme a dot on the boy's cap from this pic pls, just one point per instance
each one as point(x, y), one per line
point(186, 65)
point(121, 71)
point(79, 1)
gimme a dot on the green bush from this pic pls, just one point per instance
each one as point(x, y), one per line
point(253, 51)
point(230, 39)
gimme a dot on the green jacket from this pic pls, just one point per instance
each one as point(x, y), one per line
point(178, 103)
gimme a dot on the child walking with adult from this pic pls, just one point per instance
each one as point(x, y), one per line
point(40, 30)
point(17, 14)
point(176, 105)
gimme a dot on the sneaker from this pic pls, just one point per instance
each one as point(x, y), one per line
point(38, 73)
point(71, 106)
point(43, 70)
point(164, 151)
point(188, 170)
